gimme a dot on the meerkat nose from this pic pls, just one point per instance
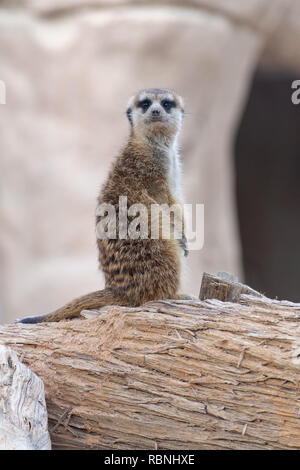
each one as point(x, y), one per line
point(155, 112)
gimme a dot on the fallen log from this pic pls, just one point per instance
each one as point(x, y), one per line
point(170, 375)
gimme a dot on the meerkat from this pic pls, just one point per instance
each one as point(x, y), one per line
point(147, 171)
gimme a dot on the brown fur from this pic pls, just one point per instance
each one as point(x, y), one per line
point(136, 271)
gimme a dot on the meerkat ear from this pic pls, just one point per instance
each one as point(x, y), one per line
point(181, 103)
point(129, 115)
point(129, 109)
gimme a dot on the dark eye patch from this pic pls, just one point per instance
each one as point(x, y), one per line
point(168, 105)
point(144, 104)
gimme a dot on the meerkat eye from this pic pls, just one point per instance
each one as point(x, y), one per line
point(144, 104)
point(168, 105)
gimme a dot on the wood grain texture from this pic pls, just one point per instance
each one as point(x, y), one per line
point(23, 414)
point(170, 375)
point(224, 287)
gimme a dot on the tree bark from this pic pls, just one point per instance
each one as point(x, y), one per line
point(170, 375)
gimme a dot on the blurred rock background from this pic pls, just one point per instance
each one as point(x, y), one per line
point(70, 66)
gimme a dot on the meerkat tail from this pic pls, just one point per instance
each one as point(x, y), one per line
point(96, 299)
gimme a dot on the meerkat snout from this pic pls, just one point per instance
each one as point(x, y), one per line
point(155, 113)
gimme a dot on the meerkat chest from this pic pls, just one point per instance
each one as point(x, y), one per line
point(175, 175)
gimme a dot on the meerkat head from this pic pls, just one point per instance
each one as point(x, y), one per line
point(156, 114)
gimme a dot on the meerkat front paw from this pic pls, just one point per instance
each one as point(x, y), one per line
point(183, 245)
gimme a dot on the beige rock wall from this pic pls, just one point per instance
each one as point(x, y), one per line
point(69, 72)
point(282, 47)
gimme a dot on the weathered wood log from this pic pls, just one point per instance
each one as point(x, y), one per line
point(23, 414)
point(170, 375)
point(224, 287)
